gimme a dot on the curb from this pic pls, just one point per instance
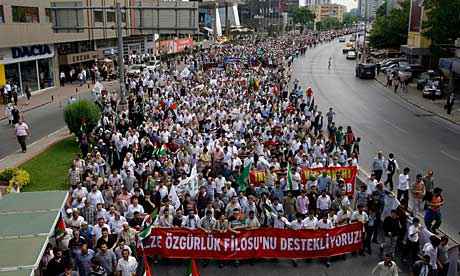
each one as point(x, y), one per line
point(28, 109)
point(421, 107)
point(57, 140)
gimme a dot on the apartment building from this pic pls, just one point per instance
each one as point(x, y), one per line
point(32, 53)
point(328, 10)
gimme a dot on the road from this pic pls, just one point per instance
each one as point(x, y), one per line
point(42, 121)
point(353, 265)
point(418, 139)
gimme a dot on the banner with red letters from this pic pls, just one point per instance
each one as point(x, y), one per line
point(348, 174)
point(261, 243)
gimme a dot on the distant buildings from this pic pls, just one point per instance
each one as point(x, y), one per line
point(324, 11)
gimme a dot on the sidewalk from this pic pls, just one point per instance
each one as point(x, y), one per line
point(18, 158)
point(56, 95)
point(414, 97)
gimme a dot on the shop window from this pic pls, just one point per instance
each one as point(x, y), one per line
point(2, 16)
point(12, 73)
point(48, 16)
point(25, 14)
point(29, 75)
point(45, 73)
point(98, 16)
point(111, 16)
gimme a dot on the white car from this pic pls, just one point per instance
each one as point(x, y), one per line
point(135, 69)
point(351, 55)
point(152, 65)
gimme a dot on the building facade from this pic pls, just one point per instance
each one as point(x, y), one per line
point(33, 53)
point(371, 10)
point(327, 11)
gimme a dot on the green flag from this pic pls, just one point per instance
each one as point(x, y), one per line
point(146, 232)
point(242, 179)
point(289, 178)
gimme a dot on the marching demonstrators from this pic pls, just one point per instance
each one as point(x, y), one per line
point(222, 141)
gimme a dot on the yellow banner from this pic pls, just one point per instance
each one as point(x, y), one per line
point(2, 75)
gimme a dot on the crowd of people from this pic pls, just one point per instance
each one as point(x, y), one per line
point(201, 114)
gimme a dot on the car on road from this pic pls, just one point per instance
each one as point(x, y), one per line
point(135, 69)
point(424, 77)
point(347, 49)
point(432, 89)
point(353, 38)
point(342, 39)
point(351, 55)
point(365, 70)
point(152, 65)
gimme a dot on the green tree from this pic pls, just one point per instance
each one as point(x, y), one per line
point(302, 15)
point(442, 24)
point(82, 116)
point(391, 31)
point(349, 19)
point(328, 24)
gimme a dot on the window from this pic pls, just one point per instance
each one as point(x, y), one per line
point(25, 14)
point(98, 16)
point(2, 17)
point(48, 16)
point(123, 17)
point(111, 16)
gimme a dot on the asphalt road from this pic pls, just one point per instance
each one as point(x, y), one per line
point(418, 139)
point(353, 265)
point(42, 121)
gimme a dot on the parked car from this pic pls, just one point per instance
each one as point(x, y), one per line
point(389, 61)
point(424, 77)
point(342, 39)
point(432, 89)
point(135, 69)
point(365, 71)
point(351, 55)
point(404, 73)
point(152, 65)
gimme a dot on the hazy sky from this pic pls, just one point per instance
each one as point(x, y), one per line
point(351, 4)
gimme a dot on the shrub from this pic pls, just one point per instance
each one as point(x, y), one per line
point(14, 176)
point(81, 116)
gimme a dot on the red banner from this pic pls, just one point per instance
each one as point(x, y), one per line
point(262, 243)
point(348, 174)
point(182, 43)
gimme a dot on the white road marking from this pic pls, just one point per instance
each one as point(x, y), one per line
point(450, 155)
point(395, 126)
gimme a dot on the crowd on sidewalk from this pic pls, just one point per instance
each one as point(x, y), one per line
point(214, 120)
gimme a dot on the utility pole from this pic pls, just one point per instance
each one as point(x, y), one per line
point(363, 56)
point(121, 64)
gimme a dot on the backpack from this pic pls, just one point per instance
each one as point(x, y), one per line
point(391, 166)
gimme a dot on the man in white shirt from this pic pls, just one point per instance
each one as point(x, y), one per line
point(127, 265)
point(95, 196)
point(297, 224)
point(22, 132)
point(431, 249)
point(279, 221)
point(311, 222)
point(403, 185)
point(323, 203)
point(387, 267)
point(413, 236)
point(192, 221)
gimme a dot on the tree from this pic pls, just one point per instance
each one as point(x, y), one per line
point(442, 24)
point(391, 31)
point(349, 19)
point(302, 15)
point(328, 24)
point(81, 117)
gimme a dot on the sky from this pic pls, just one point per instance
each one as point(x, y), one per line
point(351, 4)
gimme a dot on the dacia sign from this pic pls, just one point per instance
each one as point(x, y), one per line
point(30, 51)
